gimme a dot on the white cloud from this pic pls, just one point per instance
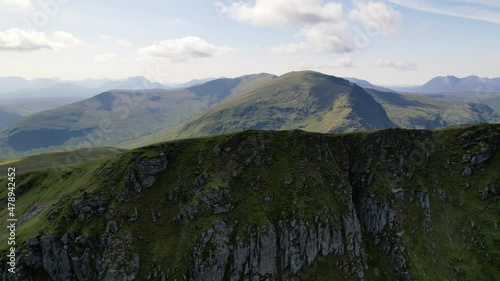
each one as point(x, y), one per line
point(329, 37)
point(377, 16)
point(283, 12)
point(344, 62)
point(183, 49)
point(23, 4)
point(322, 25)
point(103, 58)
point(63, 39)
point(290, 48)
point(117, 41)
point(396, 64)
point(323, 37)
point(16, 39)
point(483, 10)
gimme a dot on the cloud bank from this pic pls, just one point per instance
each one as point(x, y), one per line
point(22, 4)
point(323, 26)
point(396, 64)
point(16, 39)
point(183, 49)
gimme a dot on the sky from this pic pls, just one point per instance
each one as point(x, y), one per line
point(389, 42)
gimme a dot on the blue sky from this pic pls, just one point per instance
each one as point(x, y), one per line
point(390, 42)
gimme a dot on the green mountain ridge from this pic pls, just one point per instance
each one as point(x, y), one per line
point(414, 111)
point(306, 100)
point(258, 205)
point(116, 116)
point(321, 103)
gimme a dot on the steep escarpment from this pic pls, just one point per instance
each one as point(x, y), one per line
point(386, 205)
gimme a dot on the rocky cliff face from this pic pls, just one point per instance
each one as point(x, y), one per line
point(388, 205)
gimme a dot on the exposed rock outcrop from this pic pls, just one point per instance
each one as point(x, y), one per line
point(142, 174)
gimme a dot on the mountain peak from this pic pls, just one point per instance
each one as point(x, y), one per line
point(293, 100)
point(456, 86)
point(138, 78)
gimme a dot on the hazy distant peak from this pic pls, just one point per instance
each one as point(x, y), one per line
point(453, 84)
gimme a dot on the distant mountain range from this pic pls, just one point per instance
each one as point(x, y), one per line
point(11, 84)
point(321, 103)
point(117, 116)
point(20, 88)
point(305, 100)
point(455, 85)
point(365, 84)
point(471, 89)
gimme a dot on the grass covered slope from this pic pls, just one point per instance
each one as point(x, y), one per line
point(61, 160)
point(320, 103)
point(298, 100)
point(116, 116)
point(421, 112)
point(386, 205)
point(9, 114)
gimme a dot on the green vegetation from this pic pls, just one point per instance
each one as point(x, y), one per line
point(320, 103)
point(298, 100)
point(116, 116)
point(421, 112)
point(280, 176)
point(304, 100)
point(61, 160)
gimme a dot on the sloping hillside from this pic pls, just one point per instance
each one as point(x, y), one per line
point(420, 112)
point(10, 114)
point(116, 116)
point(387, 205)
point(321, 103)
point(298, 100)
point(61, 160)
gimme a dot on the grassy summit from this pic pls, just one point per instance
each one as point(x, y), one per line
point(307, 100)
point(322, 103)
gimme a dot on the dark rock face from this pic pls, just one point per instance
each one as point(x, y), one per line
point(288, 246)
point(212, 200)
point(77, 257)
point(424, 200)
point(291, 245)
point(88, 206)
point(142, 174)
point(482, 156)
point(59, 257)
